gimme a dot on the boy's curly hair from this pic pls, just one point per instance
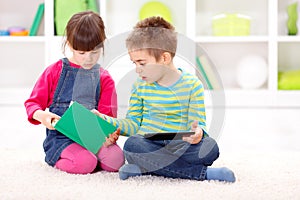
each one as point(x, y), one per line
point(154, 34)
point(158, 22)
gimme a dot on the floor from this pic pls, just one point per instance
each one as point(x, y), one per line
point(251, 141)
point(242, 128)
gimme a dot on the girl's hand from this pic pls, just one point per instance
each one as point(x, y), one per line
point(197, 137)
point(112, 138)
point(45, 118)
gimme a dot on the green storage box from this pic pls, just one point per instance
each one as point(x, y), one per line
point(65, 9)
point(289, 80)
point(229, 24)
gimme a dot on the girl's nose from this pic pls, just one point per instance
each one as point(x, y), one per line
point(89, 56)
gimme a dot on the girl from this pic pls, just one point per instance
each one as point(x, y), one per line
point(77, 78)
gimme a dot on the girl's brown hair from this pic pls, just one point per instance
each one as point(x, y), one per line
point(85, 31)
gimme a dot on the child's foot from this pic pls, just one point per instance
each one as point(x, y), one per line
point(129, 170)
point(220, 174)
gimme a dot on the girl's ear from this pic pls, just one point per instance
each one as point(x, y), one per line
point(68, 50)
point(167, 58)
point(69, 46)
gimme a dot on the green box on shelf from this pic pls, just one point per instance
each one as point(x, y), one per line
point(231, 24)
point(289, 80)
point(65, 9)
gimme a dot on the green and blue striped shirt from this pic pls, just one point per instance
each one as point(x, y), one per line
point(155, 108)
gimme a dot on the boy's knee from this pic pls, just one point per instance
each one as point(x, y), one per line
point(130, 143)
point(209, 150)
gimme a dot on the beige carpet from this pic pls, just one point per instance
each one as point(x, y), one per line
point(260, 175)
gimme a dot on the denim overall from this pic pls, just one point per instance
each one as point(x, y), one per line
point(75, 84)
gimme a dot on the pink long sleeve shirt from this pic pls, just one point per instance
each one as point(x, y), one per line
point(42, 94)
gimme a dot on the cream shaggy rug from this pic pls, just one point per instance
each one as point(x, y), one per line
point(274, 175)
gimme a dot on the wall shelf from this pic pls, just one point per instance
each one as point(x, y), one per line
point(268, 39)
point(22, 39)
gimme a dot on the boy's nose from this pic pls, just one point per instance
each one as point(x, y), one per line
point(138, 69)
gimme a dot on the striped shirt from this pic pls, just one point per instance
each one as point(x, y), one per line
point(155, 108)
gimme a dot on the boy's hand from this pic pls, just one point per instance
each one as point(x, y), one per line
point(45, 118)
point(96, 112)
point(197, 137)
point(112, 138)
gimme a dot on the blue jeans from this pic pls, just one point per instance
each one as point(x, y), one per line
point(171, 158)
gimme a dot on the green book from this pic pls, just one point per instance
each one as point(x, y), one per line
point(84, 127)
point(37, 20)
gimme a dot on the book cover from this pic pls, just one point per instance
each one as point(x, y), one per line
point(84, 127)
point(203, 73)
point(37, 20)
point(208, 72)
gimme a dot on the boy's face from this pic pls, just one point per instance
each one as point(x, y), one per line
point(147, 67)
point(86, 59)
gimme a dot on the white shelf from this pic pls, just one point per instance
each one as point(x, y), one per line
point(268, 39)
point(289, 38)
point(231, 39)
point(22, 39)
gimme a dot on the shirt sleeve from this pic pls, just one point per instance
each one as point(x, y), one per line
point(108, 103)
point(130, 125)
point(197, 107)
point(42, 93)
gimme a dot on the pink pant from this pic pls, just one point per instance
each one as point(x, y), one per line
point(77, 160)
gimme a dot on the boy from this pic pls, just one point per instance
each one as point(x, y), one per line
point(165, 99)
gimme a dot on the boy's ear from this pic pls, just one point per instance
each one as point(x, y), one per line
point(167, 58)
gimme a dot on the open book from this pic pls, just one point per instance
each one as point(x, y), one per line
point(84, 127)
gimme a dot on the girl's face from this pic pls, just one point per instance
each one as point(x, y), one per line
point(147, 67)
point(86, 59)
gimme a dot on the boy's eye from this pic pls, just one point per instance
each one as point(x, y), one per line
point(138, 63)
